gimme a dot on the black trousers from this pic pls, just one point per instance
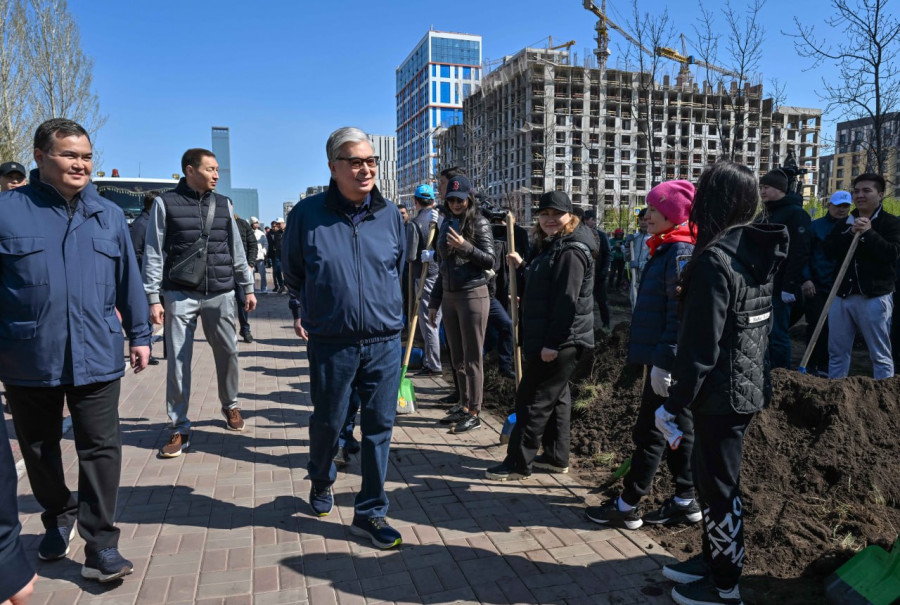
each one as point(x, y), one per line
point(37, 416)
point(716, 460)
point(650, 445)
point(543, 411)
point(814, 306)
point(616, 272)
point(600, 299)
point(500, 335)
point(240, 298)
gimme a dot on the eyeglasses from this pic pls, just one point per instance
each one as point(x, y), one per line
point(357, 163)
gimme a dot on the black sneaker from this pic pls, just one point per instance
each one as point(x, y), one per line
point(377, 530)
point(106, 565)
point(247, 336)
point(507, 373)
point(694, 569)
point(672, 513)
point(609, 514)
point(342, 458)
point(352, 446)
point(501, 472)
point(544, 463)
point(704, 592)
point(468, 422)
point(55, 543)
point(451, 398)
point(453, 416)
point(321, 500)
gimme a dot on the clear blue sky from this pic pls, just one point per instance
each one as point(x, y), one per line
point(283, 74)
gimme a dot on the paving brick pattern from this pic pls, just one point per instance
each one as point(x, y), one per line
point(228, 523)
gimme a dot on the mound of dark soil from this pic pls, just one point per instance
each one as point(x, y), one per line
point(820, 477)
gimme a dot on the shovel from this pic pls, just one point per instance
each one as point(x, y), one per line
point(824, 314)
point(871, 576)
point(514, 297)
point(406, 398)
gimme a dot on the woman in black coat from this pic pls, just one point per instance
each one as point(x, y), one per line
point(557, 327)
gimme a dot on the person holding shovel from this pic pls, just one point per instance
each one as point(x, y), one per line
point(864, 300)
point(557, 327)
point(721, 372)
point(465, 250)
point(652, 344)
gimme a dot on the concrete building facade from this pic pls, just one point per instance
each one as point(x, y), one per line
point(796, 130)
point(385, 147)
point(854, 153)
point(432, 82)
point(606, 136)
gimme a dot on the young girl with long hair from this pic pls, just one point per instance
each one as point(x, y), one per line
point(721, 370)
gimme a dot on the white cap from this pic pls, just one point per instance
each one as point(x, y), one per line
point(253, 219)
point(279, 220)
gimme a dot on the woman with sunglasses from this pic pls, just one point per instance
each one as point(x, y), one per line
point(465, 250)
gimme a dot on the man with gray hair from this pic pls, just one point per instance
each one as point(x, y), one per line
point(343, 253)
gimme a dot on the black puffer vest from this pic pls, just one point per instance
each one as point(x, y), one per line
point(185, 213)
point(740, 380)
point(543, 296)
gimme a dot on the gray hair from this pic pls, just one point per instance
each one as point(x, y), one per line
point(342, 136)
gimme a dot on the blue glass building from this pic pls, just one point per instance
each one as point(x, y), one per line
point(442, 70)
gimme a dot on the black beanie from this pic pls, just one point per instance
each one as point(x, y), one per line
point(775, 178)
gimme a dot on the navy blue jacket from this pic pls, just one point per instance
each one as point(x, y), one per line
point(61, 281)
point(138, 230)
point(346, 276)
point(654, 323)
point(821, 269)
point(16, 570)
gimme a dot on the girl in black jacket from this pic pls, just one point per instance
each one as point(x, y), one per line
point(557, 326)
point(465, 249)
point(721, 371)
point(652, 344)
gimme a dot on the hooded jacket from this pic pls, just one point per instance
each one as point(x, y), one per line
point(558, 303)
point(346, 276)
point(788, 211)
point(722, 365)
point(872, 270)
point(62, 277)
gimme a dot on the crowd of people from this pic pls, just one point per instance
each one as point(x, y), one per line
point(717, 273)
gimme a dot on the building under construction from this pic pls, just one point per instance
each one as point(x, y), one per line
point(606, 136)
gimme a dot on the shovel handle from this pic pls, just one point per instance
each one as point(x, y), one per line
point(514, 296)
point(414, 320)
point(824, 314)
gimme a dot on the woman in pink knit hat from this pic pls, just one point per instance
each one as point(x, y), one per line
point(654, 334)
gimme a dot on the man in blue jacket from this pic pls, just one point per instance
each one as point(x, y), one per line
point(66, 266)
point(342, 254)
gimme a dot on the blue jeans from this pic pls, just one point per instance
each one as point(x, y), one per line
point(779, 337)
point(373, 371)
point(872, 317)
point(345, 437)
point(277, 278)
point(261, 269)
point(499, 334)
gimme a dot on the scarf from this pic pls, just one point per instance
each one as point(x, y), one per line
point(680, 233)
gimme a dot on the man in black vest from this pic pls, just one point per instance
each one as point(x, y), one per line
point(177, 222)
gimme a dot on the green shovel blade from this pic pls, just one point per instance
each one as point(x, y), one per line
point(406, 398)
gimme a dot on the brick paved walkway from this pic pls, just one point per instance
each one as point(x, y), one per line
point(228, 522)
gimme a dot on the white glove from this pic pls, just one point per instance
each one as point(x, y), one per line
point(665, 422)
point(788, 298)
point(660, 380)
point(427, 256)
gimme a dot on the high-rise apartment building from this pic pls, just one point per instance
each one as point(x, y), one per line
point(855, 155)
point(385, 147)
point(796, 130)
point(246, 201)
point(432, 83)
point(606, 136)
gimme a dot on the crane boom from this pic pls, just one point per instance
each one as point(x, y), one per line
point(603, 21)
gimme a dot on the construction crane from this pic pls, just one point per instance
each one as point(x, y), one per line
point(686, 60)
point(566, 45)
point(602, 52)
